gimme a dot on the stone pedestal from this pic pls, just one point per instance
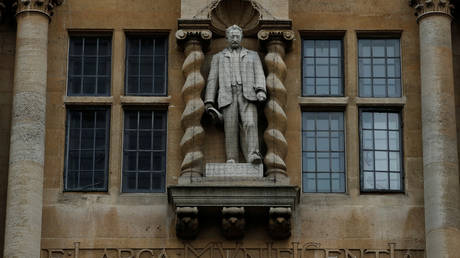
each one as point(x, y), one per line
point(440, 159)
point(233, 170)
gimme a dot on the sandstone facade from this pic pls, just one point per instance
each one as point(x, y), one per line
point(40, 218)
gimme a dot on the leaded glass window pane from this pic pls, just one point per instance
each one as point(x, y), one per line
point(322, 68)
point(323, 152)
point(89, 69)
point(87, 148)
point(146, 66)
point(381, 155)
point(144, 151)
point(379, 62)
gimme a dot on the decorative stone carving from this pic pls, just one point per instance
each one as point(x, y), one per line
point(41, 6)
point(187, 223)
point(245, 13)
point(276, 42)
point(279, 222)
point(192, 41)
point(429, 7)
point(233, 222)
point(237, 81)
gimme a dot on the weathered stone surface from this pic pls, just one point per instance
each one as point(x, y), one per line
point(234, 170)
point(440, 157)
point(27, 147)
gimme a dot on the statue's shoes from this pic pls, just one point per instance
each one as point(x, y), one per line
point(254, 159)
point(231, 161)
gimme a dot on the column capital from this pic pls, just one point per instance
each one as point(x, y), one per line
point(282, 35)
point(202, 35)
point(424, 8)
point(45, 7)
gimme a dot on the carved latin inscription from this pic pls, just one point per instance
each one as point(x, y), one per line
point(236, 250)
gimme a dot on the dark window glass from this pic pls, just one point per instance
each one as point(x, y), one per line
point(87, 142)
point(144, 151)
point(323, 152)
point(322, 68)
point(89, 66)
point(381, 151)
point(146, 66)
point(379, 68)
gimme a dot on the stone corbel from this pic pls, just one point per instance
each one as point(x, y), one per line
point(276, 42)
point(431, 7)
point(279, 222)
point(187, 223)
point(233, 222)
point(192, 41)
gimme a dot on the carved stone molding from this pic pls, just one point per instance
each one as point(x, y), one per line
point(187, 223)
point(192, 42)
point(276, 42)
point(279, 222)
point(233, 222)
point(431, 7)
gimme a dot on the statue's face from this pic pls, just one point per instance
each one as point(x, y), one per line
point(234, 38)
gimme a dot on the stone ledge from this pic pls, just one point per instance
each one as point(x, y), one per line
point(214, 195)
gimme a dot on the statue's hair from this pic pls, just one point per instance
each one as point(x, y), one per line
point(232, 28)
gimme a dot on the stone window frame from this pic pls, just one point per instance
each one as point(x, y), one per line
point(386, 110)
point(380, 36)
point(323, 36)
point(344, 172)
point(351, 102)
point(153, 36)
point(164, 130)
point(107, 110)
point(72, 34)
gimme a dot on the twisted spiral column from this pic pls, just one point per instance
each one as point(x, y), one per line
point(193, 138)
point(274, 135)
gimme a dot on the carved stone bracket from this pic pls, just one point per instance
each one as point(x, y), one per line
point(431, 7)
point(276, 42)
point(192, 41)
point(187, 223)
point(233, 222)
point(279, 222)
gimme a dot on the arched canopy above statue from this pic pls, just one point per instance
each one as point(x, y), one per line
point(251, 15)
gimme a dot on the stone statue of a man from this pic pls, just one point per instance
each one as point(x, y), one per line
point(237, 78)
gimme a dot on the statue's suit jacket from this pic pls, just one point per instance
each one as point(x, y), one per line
point(219, 79)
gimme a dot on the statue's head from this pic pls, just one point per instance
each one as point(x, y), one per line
point(234, 35)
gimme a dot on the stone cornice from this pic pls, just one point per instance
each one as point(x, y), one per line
point(45, 7)
point(424, 8)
